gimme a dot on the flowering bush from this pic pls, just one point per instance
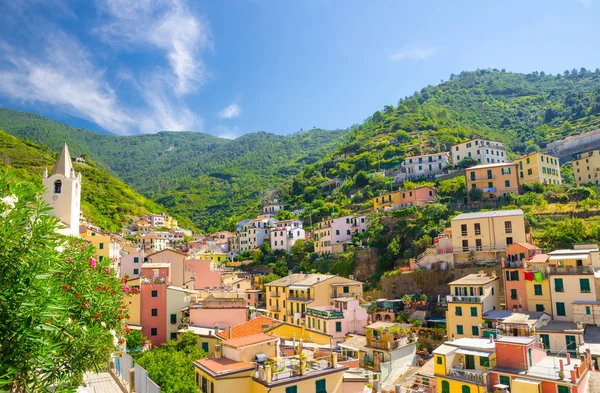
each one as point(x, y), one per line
point(60, 309)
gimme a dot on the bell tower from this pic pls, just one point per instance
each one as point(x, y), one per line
point(62, 191)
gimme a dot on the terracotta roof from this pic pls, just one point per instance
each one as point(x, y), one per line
point(248, 340)
point(526, 245)
point(165, 250)
point(223, 365)
point(539, 258)
point(249, 328)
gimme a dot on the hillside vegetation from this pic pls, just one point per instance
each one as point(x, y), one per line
point(105, 200)
point(200, 176)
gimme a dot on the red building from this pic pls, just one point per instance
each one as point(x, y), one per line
point(153, 301)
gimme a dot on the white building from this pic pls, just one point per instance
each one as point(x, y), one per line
point(285, 234)
point(253, 233)
point(63, 192)
point(427, 165)
point(330, 235)
point(486, 152)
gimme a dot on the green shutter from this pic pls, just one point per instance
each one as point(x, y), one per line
point(484, 362)
point(321, 386)
point(291, 389)
point(459, 311)
point(205, 346)
point(537, 288)
point(505, 380)
point(459, 329)
point(558, 285)
point(475, 331)
point(584, 285)
point(560, 309)
point(445, 387)
point(439, 360)
point(338, 326)
point(473, 311)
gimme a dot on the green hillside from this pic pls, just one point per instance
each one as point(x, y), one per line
point(200, 176)
point(525, 111)
point(105, 200)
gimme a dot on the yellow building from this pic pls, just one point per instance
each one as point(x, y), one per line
point(215, 257)
point(170, 222)
point(289, 332)
point(234, 369)
point(463, 365)
point(539, 167)
point(132, 303)
point(537, 290)
point(419, 196)
point(586, 167)
point(484, 236)
point(288, 298)
point(470, 297)
point(105, 246)
point(493, 180)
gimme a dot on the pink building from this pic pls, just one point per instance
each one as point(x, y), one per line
point(153, 301)
point(344, 317)
point(201, 273)
point(221, 312)
point(285, 234)
point(131, 264)
point(514, 274)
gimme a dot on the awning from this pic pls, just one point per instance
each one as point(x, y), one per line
point(300, 287)
point(572, 256)
point(474, 352)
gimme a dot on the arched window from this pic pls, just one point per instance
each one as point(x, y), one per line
point(466, 389)
point(445, 387)
point(57, 187)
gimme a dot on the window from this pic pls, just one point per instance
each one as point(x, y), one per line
point(321, 386)
point(512, 275)
point(473, 311)
point(562, 389)
point(346, 289)
point(173, 336)
point(338, 326)
point(136, 271)
point(463, 229)
point(509, 241)
point(101, 246)
point(505, 380)
point(154, 293)
point(57, 187)
point(484, 362)
point(513, 294)
point(459, 329)
point(136, 259)
point(507, 226)
point(472, 175)
point(506, 183)
point(560, 309)
point(477, 229)
point(205, 346)
point(439, 360)
point(558, 285)
point(291, 389)
point(465, 245)
point(337, 231)
point(445, 387)
point(588, 310)
point(539, 307)
point(154, 332)
point(173, 318)
point(537, 289)
point(155, 312)
point(584, 285)
point(458, 311)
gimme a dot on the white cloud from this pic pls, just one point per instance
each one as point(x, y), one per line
point(414, 54)
point(230, 112)
point(63, 76)
point(164, 24)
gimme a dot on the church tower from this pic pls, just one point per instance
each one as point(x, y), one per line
point(63, 192)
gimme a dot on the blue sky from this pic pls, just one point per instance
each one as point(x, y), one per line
point(229, 67)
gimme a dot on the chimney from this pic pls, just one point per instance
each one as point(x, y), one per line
point(334, 360)
point(561, 365)
point(216, 327)
point(573, 376)
point(230, 337)
point(568, 358)
point(218, 351)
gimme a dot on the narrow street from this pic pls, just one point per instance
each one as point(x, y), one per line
point(99, 383)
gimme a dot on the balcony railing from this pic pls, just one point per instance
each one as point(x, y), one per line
point(325, 313)
point(572, 270)
point(482, 178)
point(478, 248)
point(463, 299)
point(276, 309)
point(513, 264)
point(275, 294)
point(299, 298)
point(476, 376)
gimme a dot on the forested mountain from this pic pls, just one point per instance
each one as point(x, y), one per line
point(526, 111)
point(105, 200)
point(203, 177)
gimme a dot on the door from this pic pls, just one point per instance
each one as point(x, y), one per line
point(571, 344)
point(470, 362)
point(545, 341)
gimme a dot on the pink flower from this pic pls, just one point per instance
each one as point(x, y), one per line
point(92, 262)
point(86, 304)
point(125, 289)
point(106, 271)
point(124, 280)
point(68, 259)
point(86, 243)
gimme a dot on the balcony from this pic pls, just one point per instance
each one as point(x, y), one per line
point(458, 250)
point(463, 299)
point(325, 313)
point(488, 189)
point(153, 280)
point(275, 309)
point(275, 294)
point(475, 376)
point(571, 270)
point(300, 298)
point(482, 178)
point(513, 264)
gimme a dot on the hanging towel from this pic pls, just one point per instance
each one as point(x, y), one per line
point(539, 277)
point(529, 276)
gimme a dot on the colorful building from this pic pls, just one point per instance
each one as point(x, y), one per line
point(485, 152)
point(401, 199)
point(537, 284)
point(463, 365)
point(131, 264)
point(286, 233)
point(539, 168)
point(471, 297)
point(151, 243)
point(484, 236)
point(513, 272)
point(218, 312)
point(493, 180)
point(106, 246)
point(337, 231)
point(344, 317)
point(586, 167)
point(289, 297)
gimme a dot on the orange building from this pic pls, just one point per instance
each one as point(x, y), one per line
point(493, 180)
point(401, 199)
point(514, 274)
